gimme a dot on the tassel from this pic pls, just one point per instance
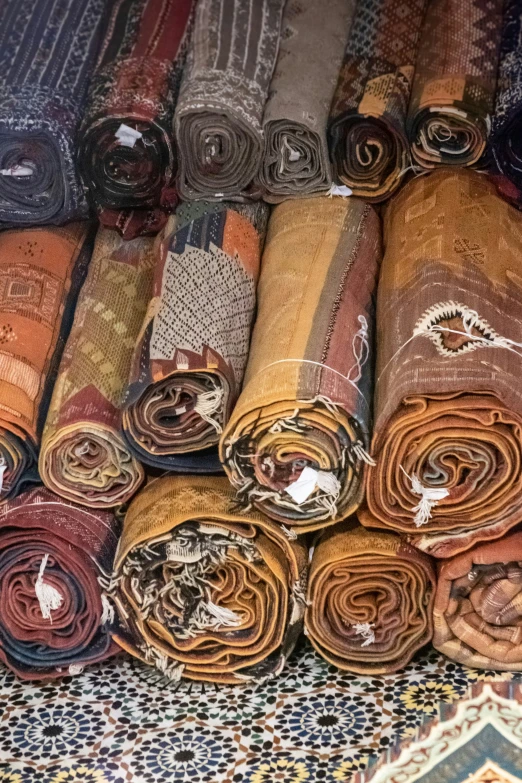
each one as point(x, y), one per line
point(108, 614)
point(48, 597)
point(361, 453)
point(365, 630)
point(224, 616)
point(209, 403)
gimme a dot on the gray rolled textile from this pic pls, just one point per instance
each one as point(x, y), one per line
point(295, 158)
point(223, 94)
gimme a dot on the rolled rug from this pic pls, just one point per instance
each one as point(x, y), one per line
point(53, 620)
point(507, 119)
point(41, 272)
point(192, 349)
point(370, 599)
point(447, 437)
point(295, 445)
point(295, 157)
point(478, 606)
point(84, 456)
point(367, 137)
point(223, 94)
point(127, 155)
point(454, 85)
point(204, 590)
point(47, 54)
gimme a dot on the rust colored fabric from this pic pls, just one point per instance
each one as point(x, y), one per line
point(203, 590)
point(41, 272)
point(303, 415)
point(192, 349)
point(367, 136)
point(47, 543)
point(448, 405)
point(84, 456)
point(478, 606)
point(455, 79)
point(135, 87)
point(370, 599)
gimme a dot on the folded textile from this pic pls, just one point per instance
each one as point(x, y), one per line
point(370, 599)
point(41, 272)
point(367, 138)
point(295, 158)
point(47, 53)
point(192, 350)
point(478, 606)
point(455, 79)
point(507, 118)
point(295, 444)
point(52, 617)
point(83, 456)
point(448, 408)
point(223, 95)
point(127, 154)
point(204, 590)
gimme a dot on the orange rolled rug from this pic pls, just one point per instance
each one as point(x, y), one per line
point(370, 600)
point(447, 438)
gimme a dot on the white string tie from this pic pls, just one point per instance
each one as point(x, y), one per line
point(361, 349)
point(339, 190)
point(289, 533)
point(225, 617)
point(365, 630)
point(209, 403)
point(293, 155)
point(361, 453)
point(48, 597)
point(429, 498)
point(108, 614)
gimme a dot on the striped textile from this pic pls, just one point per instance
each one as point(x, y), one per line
point(47, 53)
point(223, 95)
point(136, 84)
point(305, 404)
point(52, 555)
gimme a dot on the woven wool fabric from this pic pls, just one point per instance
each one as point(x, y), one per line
point(367, 137)
point(47, 53)
point(192, 350)
point(41, 272)
point(295, 157)
point(223, 94)
point(507, 119)
point(455, 78)
point(478, 606)
point(308, 385)
point(448, 406)
point(370, 599)
point(84, 456)
point(203, 590)
point(135, 86)
point(52, 553)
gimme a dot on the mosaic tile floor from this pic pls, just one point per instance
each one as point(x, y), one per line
point(120, 722)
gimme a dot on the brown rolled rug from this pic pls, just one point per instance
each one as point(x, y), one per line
point(295, 157)
point(478, 606)
point(295, 445)
point(452, 98)
point(218, 118)
point(448, 407)
point(53, 555)
point(204, 590)
point(366, 130)
point(370, 599)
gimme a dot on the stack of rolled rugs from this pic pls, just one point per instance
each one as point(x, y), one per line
point(223, 424)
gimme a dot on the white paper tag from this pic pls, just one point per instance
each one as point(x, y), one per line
point(18, 171)
point(339, 190)
point(301, 489)
point(127, 136)
point(294, 155)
